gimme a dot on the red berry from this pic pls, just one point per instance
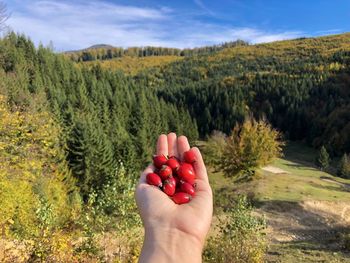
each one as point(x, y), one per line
point(165, 172)
point(176, 179)
point(181, 198)
point(187, 188)
point(186, 173)
point(169, 187)
point(173, 163)
point(190, 156)
point(154, 179)
point(159, 161)
point(172, 180)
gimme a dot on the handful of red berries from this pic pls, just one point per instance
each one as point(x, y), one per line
point(175, 178)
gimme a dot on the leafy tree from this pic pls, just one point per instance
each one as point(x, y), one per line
point(32, 170)
point(250, 145)
point(344, 167)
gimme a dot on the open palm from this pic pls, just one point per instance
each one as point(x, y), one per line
point(157, 210)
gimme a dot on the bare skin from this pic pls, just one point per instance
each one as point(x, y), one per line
point(174, 233)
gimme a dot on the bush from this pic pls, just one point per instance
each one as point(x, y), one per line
point(250, 145)
point(239, 237)
point(214, 148)
point(35, 186)
point(112, 209)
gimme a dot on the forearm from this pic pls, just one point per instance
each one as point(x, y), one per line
point(170, 245)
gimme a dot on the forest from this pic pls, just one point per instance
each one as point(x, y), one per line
point(88, 130)
point(304, 81)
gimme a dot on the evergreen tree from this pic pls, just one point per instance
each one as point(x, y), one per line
point(323, 159)
point(344, 167)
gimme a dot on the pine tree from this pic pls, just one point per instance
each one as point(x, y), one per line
point(77, 145)
point(344, 167)
point(323, 159)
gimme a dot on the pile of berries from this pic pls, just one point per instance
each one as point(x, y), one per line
point(175, 178)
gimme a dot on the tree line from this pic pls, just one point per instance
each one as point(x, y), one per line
point(106, 117)
point(108, 52)
point(301, 87)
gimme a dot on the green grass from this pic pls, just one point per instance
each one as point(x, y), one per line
point(303, 181)
point(304, 252)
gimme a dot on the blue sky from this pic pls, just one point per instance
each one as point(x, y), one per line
point(78, 24)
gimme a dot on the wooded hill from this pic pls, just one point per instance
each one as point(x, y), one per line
point(301, 86)
point(106, 52)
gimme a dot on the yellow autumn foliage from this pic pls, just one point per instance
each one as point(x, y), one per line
point(133, 65)
point(33, 175)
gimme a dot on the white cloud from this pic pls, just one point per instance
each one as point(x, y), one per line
point(75, 25)
point(96, 9)
point(203, 7)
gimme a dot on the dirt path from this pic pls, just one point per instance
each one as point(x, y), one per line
point(314, 221)
point(331, 180)
point(274, 170)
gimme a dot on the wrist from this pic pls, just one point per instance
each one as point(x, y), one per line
point(170, 245)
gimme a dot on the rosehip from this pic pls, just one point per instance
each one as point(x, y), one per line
point(190, 156)
point(154, 179)
point(172, 180)
point(181, 198)
point(169, 187)
point(173, 163)
point(165, 172)
point(186, 173)
point(187, 188)
point(159, 161)
point(176, 179)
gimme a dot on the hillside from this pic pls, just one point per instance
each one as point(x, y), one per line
point(307, 211)
point(107, 110)
point(305, 81)
point(133, 65)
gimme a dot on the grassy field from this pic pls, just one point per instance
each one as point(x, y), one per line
point(305, 207)
point(302, 180)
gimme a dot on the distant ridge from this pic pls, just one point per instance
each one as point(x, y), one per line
point(98, 46)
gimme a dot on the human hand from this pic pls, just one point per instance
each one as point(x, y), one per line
point(174, 233)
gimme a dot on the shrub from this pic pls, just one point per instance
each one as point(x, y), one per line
point(112, 209)
point(34, 182)
point(239, 237)
point(250, 145)
point(214, 148)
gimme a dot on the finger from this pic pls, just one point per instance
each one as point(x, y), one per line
point(202, 186)
point(199, 166)
point(172, 144)
point(204, 195)
point(162, 145)
point(182, 146)
point(149, 169)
